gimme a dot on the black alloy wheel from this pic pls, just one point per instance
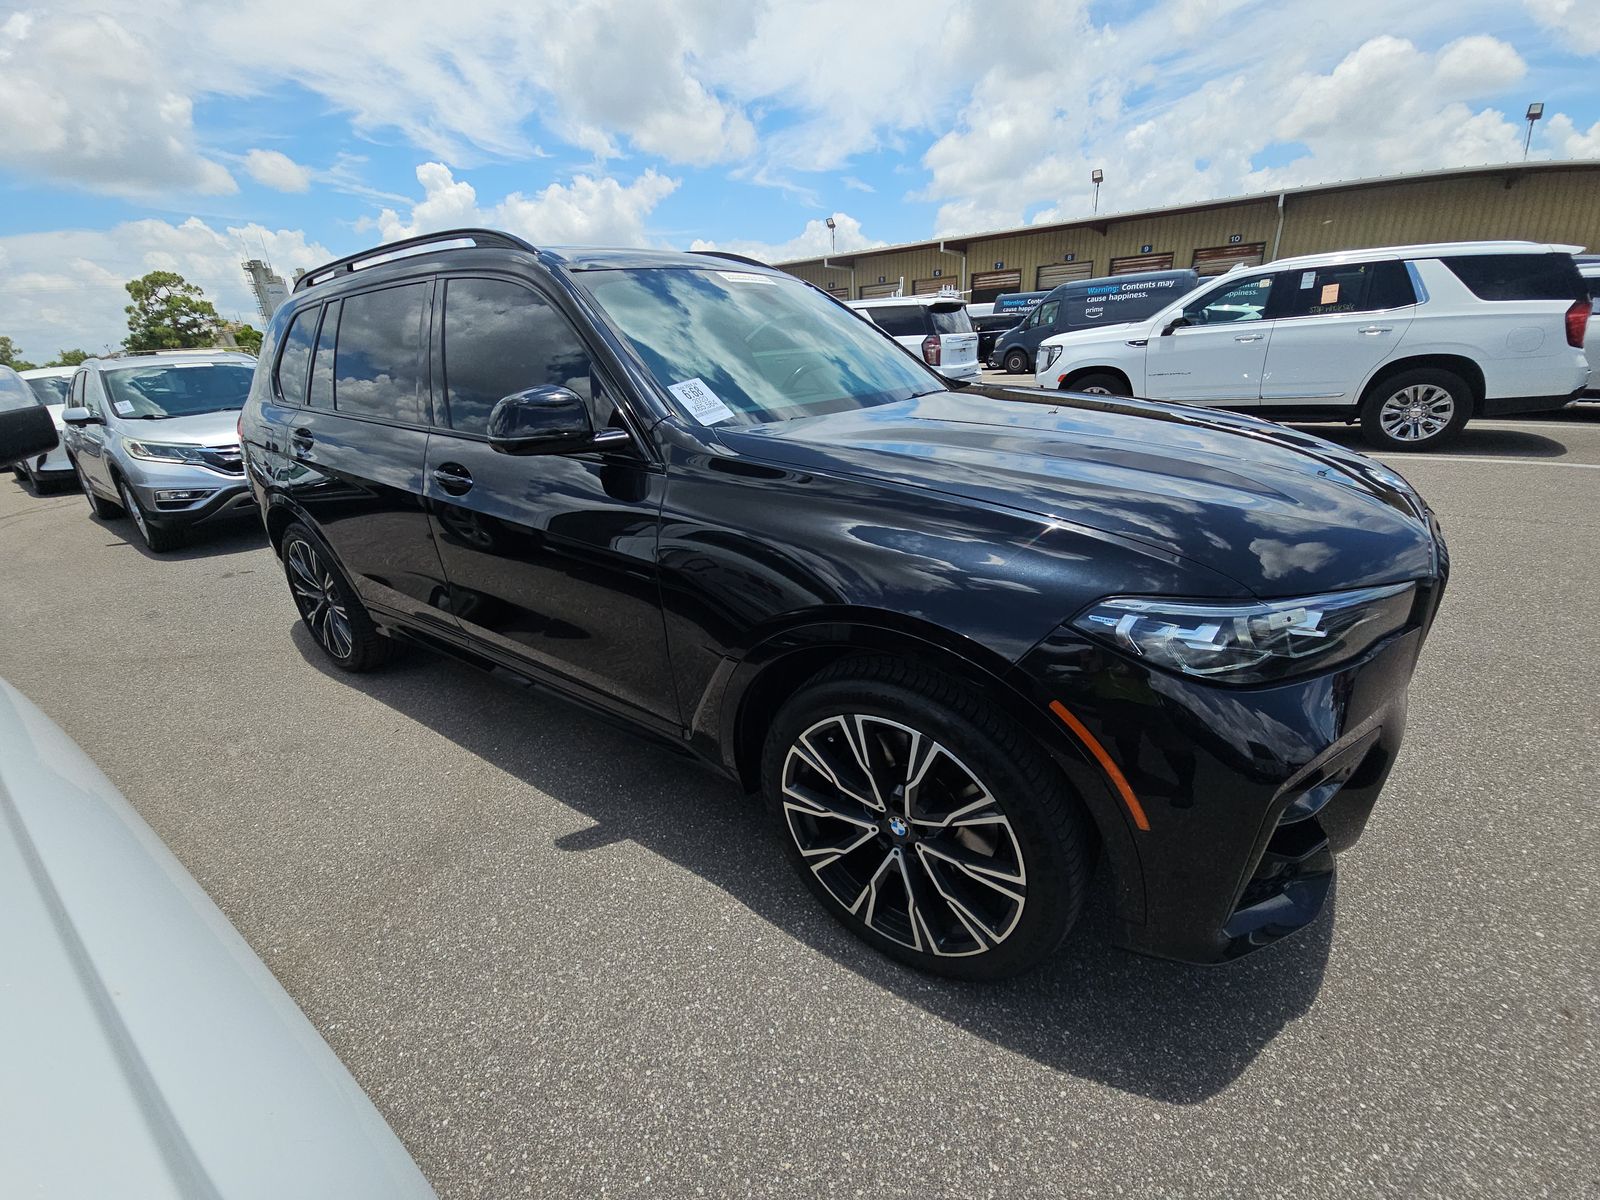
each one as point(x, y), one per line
point(1017, 362)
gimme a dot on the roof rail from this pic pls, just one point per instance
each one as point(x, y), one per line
point(347, 264)
point(212, 350)
point(744, 258)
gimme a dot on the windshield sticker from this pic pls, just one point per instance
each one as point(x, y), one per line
point(1330, 294)
point(1308, 279)
point(748, 277)
point(122, 408)
point(701, 401)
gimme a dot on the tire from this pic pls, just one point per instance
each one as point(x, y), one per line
point(159, 538)
point(1099, 383)
point(1421, 409)
point(1036, 847)
point(1017, 362)
point(105, 510)
point(339, 622)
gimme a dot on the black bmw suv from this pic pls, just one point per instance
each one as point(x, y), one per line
point(966, 641)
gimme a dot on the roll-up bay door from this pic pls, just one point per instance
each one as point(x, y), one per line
point(932, 287)
point(876, 291)
point(1054, 274)
point(1215, 260)
point(986, 285)
point(1141, 262)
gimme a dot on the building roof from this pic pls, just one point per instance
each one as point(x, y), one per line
point(960, 242)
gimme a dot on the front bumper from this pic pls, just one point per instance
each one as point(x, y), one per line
point(223, 498)
point(1248, 793)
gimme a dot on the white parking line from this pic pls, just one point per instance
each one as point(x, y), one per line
point(1532, 426)
point(1469, 458)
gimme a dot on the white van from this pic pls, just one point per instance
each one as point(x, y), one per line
point(1411, 341)
point(935, 327)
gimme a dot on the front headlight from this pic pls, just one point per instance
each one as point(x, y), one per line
point(172, 452)
point(1249, 642)
point(1048, 356)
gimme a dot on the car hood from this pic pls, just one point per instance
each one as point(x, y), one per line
point(148, 1051)
point(1279, 512)
point(202, 429)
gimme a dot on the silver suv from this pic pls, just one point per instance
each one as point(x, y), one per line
point(156, 435)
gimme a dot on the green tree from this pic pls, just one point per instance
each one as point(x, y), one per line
point(8, 356)
point(68, 358)
point(249, 339)
point(169, 313)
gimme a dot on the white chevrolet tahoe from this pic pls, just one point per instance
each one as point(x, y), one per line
point(1410, 340)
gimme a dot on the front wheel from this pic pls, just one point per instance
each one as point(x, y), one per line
point(928, 824)
point(98, 507)
point(1017, 362)
point(328, 605)
point(158, 538)
point(1416, 410)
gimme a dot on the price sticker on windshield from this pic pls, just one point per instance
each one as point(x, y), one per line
point(122, 408)
point(701, 401)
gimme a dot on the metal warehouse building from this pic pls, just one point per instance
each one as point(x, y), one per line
point(1544, 202)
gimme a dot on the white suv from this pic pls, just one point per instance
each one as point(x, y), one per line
point(936, 327)
point(1409, 340)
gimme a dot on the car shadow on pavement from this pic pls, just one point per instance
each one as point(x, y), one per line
point(1164, 1030)
point(1474, 441)
point(236, 536)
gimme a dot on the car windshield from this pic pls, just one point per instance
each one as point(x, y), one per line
point(950, 318)
point(50, 389)
point(741, 348)
point(178, 390)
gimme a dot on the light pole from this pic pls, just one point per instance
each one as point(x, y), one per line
point(1535, 111)
point(833, 234)
point(1097, 177)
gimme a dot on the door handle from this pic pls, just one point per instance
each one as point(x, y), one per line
point(1374, 329)
point(453, 478)
point(1247, 337)
point(301, 439)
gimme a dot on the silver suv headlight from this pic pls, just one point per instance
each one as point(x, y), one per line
point(1249, 642)
point(1047, 357)
point(171, 452)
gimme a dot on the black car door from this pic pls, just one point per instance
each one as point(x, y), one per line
point(358, 444)
point(551, 558)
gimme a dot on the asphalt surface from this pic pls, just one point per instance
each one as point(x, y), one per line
point(566, 963)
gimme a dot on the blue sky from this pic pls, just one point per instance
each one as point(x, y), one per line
point(184, 135)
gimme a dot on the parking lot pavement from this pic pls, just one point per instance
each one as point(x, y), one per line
point(566, 963)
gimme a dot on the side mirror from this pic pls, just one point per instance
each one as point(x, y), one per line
point(1177, 322)
point(79, 417)
point(25, 432)
point(547, 420)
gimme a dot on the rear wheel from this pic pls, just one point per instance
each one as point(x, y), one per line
point(158, 538)
point(1416, 410)
point(1101, 383)
point(328, 604)
point(1017, 362)
point(927, 823)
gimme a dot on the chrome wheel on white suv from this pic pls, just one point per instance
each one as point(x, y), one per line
point(1415, 410)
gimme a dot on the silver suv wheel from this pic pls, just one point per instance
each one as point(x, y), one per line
point(1417, 413)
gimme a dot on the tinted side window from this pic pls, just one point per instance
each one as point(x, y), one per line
point(381, 365)
point(901, 320)
point(296, 356)
point(1047, 313)
point(500, 338)
point(1390, 286)
point(1324, 291)
point(322, 362)
point(1594, 287)
point(14, 392)
point(1519, 276)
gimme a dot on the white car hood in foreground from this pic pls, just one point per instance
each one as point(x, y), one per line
point(144, 1050)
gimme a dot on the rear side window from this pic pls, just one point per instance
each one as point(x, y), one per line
point(296, 356)
point(380, 362)
point(1519, 276)
point(1390, 286)
point(950, 318)
point(1594, 286)
point(1323, 291)
point(500, 338)
point(901, 320)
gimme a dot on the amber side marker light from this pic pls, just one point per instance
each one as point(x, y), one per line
point(1118, 780)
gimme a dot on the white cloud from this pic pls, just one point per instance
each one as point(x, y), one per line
point(1569, 141)
point(815, 239)
point(1575, 22)
point(83, 106)
point(65, 289)
point(277, 170)
point(587, 210)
